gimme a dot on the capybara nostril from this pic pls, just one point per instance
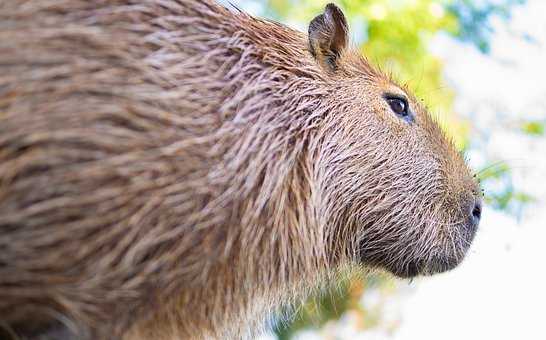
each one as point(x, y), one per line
point(476, 212)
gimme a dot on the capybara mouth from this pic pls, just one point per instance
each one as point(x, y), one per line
point(410, 255)
point(409, 270)
point(439, 260)
point(413, 268)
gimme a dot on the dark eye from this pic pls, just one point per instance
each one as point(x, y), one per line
point(400, 107)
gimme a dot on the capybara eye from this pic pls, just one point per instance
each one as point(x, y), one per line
point(400, 107)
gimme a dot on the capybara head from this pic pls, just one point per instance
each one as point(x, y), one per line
point(399, 192)
point(178, 168)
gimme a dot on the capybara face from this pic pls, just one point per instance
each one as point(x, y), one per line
point(403, 196)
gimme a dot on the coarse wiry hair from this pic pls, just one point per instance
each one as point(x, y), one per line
point(174, 168)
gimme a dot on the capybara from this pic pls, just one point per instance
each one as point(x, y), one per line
point(175, 169)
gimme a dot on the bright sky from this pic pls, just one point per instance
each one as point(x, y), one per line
point(499, 292)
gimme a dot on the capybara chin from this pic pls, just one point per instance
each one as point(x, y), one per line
point(178, 170)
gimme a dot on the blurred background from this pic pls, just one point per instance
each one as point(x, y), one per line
point(480, 67)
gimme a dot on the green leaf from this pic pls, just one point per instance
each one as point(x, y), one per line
point(534, 128)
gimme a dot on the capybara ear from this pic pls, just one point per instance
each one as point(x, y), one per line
point(328, 36)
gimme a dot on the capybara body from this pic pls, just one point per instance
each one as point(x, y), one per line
point(175, 169)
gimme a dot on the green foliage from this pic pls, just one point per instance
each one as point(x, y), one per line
point(533, 128)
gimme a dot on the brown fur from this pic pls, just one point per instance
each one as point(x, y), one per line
point(173, 168)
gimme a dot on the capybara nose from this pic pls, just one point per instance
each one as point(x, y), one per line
point(476, 213)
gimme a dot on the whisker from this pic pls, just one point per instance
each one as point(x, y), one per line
point(491, 166)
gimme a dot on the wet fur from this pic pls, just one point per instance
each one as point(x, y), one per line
point(174, 168)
